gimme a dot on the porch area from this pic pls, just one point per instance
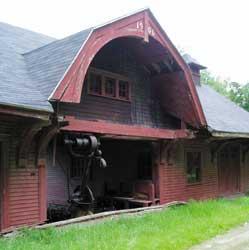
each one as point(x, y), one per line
point(130, 179)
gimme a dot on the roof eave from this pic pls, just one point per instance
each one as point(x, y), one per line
point(229, 135)
point(25, 111)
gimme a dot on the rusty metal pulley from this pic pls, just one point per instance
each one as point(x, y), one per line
point(82, 146)
point(85, 147)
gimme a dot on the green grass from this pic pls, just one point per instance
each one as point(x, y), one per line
point(174, 228)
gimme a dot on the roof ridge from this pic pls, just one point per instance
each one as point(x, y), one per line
point(90, 28)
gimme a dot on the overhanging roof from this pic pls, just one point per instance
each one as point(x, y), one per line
point(16, 86)
point(224, 117)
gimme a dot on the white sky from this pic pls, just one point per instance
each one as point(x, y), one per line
point(215, 32)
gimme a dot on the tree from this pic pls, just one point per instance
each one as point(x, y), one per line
point(234, 91)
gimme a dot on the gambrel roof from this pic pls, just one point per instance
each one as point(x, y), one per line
point(16, 86)
point(32, 65)
point(47, 65)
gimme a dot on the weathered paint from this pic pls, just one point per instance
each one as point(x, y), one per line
point(173, 181)
point(143, 108)
point(24, 200)
point(107, 128)
point(139, 25)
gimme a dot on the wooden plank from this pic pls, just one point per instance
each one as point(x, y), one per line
point(123, 130)
point(110, 214)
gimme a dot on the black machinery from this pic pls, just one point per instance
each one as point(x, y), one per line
point(85, 147)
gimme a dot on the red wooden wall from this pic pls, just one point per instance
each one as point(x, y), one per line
point(24, 199)
point(23, 194)
point(173, 181)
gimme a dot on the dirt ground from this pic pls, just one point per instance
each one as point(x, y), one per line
point(236, 239)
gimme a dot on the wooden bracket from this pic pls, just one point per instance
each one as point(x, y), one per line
point(47, 135)
point(26, 142)
point(218, 146)
point(166, 148)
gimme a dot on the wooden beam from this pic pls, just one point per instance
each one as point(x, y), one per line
point(108, 128)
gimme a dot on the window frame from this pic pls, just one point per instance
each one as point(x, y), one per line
point(186, 166)
point(105, 75)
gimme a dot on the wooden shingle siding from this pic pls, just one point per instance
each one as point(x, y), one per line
point(143, 109)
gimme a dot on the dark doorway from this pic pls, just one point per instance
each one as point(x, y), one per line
point(229, 170)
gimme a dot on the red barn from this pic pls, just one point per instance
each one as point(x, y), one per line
point(164, 135)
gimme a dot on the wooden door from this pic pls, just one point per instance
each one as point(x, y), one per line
point(229, 170)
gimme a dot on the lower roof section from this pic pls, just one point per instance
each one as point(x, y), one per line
point(123, 130)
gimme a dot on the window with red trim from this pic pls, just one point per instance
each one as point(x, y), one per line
point(123, 90)
point(96, 83)
point(108, 84)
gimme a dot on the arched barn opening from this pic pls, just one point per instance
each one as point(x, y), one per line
point(134, 94)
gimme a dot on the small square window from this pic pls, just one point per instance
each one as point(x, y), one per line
point(108, 84)
point(124, 89)
point(95, 84)
point(110, 87)
point(193, 162)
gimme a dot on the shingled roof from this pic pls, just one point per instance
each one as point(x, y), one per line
point(222, 115)
point(31, 65)
point(16, 85)
point(47, 65)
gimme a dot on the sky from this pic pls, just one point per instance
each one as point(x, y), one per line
point(215, 32)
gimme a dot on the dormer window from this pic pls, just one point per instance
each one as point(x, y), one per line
point(108, 84)
point(96, 82)
point(124, 90)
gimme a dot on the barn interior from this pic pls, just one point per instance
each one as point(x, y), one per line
point(127, 181)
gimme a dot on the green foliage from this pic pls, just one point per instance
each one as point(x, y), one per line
point(234, 91)
point(174, 228)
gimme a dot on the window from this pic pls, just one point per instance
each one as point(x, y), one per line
point(193, 162)
point(123, 90)
point(108, 84)
point(96, 84)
